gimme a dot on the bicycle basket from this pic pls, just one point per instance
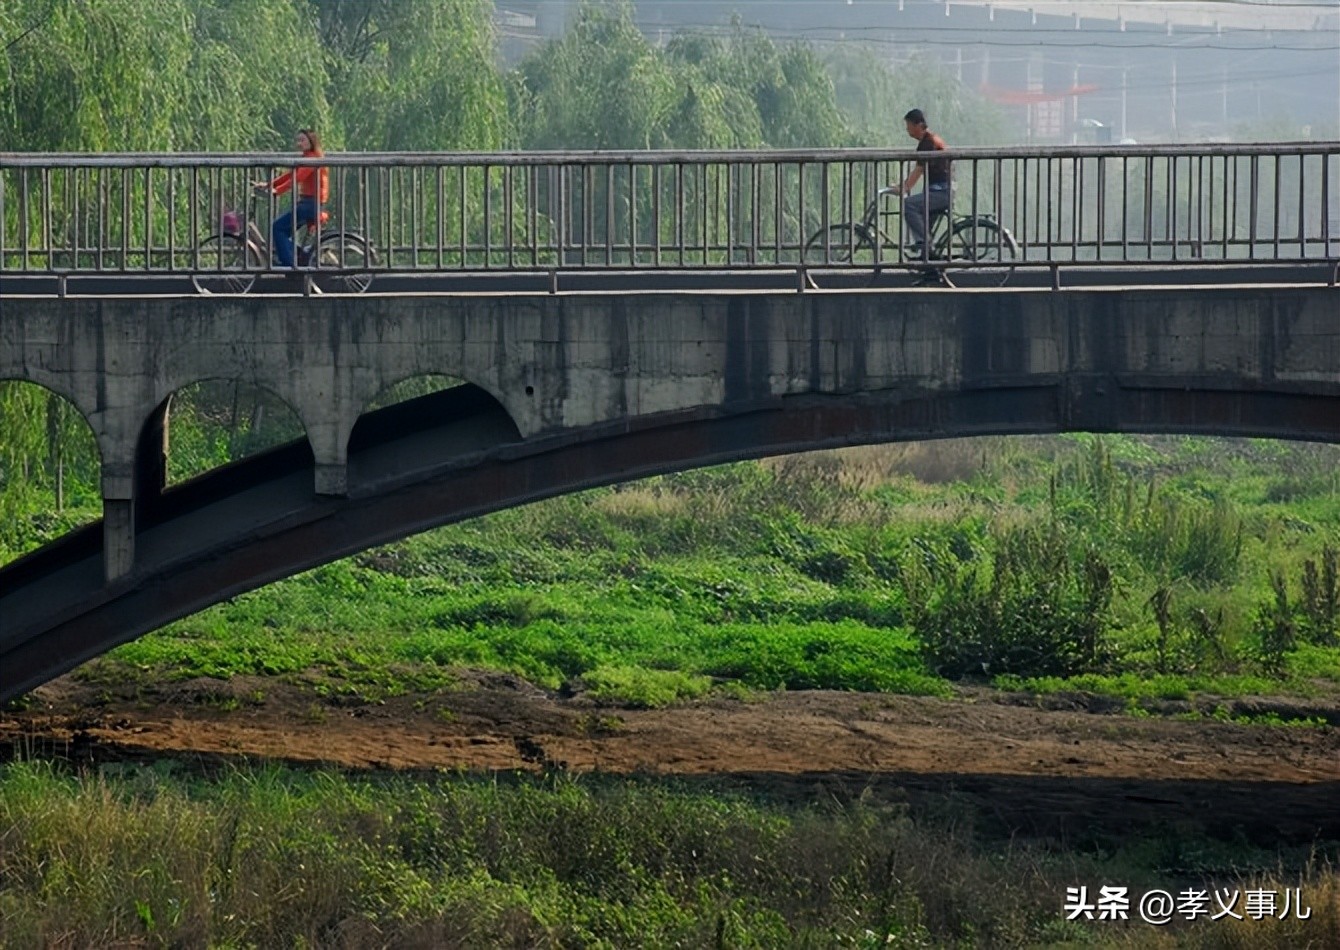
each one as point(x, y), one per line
point(231, 224)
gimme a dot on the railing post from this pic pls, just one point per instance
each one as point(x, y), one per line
point(78, 215)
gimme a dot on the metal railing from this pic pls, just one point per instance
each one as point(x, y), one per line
point(668, 210)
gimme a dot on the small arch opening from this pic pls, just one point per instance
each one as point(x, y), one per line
point(424, 421)
point(50, 468)
point(412, 388)
point(216, 422)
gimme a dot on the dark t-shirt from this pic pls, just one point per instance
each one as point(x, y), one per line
point(937, 172)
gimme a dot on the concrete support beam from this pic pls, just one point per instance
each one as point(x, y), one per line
point(118, 537)
point(332, 478)
point(118, 480)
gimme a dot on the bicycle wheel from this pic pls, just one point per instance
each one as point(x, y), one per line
point(228, 265)
point(350, 254)
point(985, 250)
point(841, 246)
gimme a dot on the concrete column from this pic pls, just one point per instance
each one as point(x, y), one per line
point(118, 537)
point(332, 478)
point(118, 516)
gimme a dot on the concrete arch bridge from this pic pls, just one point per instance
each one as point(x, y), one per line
point(564, 392)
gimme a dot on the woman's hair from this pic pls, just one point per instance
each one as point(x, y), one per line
point(312, 139)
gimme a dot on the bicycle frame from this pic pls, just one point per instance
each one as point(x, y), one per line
point(974, 246)
point(939, 230)
point(311, 232)
point(230, 259)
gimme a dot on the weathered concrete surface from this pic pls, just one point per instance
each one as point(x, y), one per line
point(577, 391)
point(1169, 359)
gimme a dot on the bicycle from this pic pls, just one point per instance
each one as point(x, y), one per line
point(233, 256)
point(980, 251)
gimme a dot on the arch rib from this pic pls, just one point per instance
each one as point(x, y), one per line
point(474, 462)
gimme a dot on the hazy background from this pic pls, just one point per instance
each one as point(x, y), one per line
point(1061, 71)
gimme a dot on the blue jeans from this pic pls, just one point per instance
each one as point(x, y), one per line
point(915, 211)
point(281, 232)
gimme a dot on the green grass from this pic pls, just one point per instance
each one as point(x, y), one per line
point(643, 688)
point(1137, 686)
point(268, 857)
point(842, 571)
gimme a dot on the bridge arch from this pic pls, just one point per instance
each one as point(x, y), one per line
point(40, 420)
point(407, 387)
point(446, 358)
point(620, 388)
point(52, 382)
point(475, 475)
point(204, 403)
point(256, 416)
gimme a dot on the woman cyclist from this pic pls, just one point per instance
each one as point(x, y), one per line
point(313, 183)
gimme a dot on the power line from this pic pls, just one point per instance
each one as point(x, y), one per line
point(1128, 4)
point(818, 34)
point(36, 25)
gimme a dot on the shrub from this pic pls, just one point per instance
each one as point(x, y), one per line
point(1042, 612)
point(647, 689)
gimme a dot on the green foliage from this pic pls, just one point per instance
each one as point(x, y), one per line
point(1171, 533)
point(1320, 606)
point(93, 75)
point(199, 75)
point(1042, 612)
point(1139, 685)
point(786, 575)
point(270, 857)
point(875, 97)
point(1283, 625)
point(258, 74)
point(647, 689)
point(603, 85)
point(413, 75)
point(49, 467)
point(212, 423)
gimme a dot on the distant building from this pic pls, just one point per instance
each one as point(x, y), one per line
point(1069, 70)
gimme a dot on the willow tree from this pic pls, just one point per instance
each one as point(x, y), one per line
point(92, 75)
point(874, 94)
point(601, 85)
point(787, 87)
point(258, 73)
point(413, 75)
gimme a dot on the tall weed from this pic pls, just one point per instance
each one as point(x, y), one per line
point(1033, 608)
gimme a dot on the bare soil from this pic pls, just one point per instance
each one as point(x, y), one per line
point(1069, 767)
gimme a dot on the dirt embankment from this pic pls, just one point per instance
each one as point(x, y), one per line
point(1069, 771)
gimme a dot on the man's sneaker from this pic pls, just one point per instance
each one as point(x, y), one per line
point(914, 249)
point(930, 278)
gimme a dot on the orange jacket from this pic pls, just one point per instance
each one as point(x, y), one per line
point(308, 178)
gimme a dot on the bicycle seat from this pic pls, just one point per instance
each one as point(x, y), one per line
point(324, 217)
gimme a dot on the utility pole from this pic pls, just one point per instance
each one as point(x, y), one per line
point(1173, 100)
point(1125, 68)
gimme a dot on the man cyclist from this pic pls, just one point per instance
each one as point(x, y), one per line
point(313, 191)
point(934, 198)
